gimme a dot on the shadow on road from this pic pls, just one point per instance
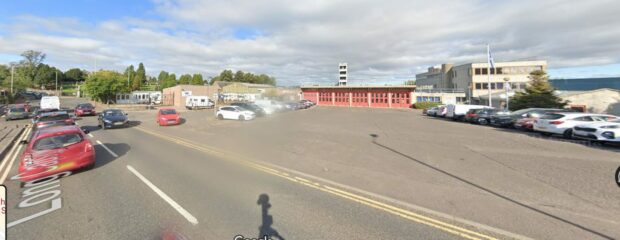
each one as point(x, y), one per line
point(265, 228)
point(602, 235)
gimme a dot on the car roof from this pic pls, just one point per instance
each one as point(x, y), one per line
point(40, 133)
point(168, 108)
point(45, 114)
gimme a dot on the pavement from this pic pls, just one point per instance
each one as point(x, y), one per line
point(323, 173)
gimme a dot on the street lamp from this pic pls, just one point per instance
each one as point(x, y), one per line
point(507, 87)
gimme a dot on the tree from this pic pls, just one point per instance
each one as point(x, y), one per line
point(170, 81)
point(197, 79)
point(139, 78)
point(104, 85)
point(45, 76)
point(539, 93)
point(5, 75)
point(30, 63)
point(161, 78)
point(410, 82)
point(75, 75)
point(239, 77)
point(185, 79)
point(226, 76)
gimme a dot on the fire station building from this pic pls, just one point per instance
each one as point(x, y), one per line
point(360, 96)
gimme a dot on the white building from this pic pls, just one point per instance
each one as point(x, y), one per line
point(342, 74)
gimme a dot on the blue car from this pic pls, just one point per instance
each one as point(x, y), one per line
point(112, 118)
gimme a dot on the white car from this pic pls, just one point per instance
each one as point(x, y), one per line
point(563, 122)
point(234, 112)
point(599, 131)
point(458, 111)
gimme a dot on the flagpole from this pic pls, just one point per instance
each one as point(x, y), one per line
point(489, 75)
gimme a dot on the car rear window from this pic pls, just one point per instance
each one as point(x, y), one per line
point(85, 105)
point(57, 141)
point(54, 117)
point(552, 116)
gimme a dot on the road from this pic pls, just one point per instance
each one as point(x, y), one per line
point(143, 185)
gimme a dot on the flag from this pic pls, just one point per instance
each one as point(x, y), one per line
point(490, 57)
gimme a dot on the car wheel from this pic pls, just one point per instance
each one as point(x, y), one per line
point(483, 121)
point(90, 167)
point(568, 134)
point(241, 117)
point(220, 117)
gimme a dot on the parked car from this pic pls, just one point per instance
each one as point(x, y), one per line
point(307, 103)
point(563, 122)
point(168, 116)
point(84, 109)
point(18, 111)
point(483, 116)
point(50, 102)
point(112, 118)
point(457, 111)
point(258, 111)
point(54, 150)
point(268, 106)
point(441, 111)
point(523, 118)
point(293, 105)
point(432, 111)
point(234, 112)
point(604, 131)
point(49, 119)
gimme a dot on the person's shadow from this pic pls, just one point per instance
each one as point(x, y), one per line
point(265, 229)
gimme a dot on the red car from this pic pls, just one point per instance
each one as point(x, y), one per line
point(84, 109)
point(54, 150)
point(525, 123)
point(168, 116)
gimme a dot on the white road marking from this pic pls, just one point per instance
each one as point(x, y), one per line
point(56, 204)
point(15, 155)
point(90, 135)
point(166, 198)
point(106, 148)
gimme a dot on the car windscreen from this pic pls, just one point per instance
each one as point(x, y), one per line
point(552, 116)
point(85, 105)
point(113, 113)
point(57, 141)
point(18, 110)
point(57, 117)
point(168, 111)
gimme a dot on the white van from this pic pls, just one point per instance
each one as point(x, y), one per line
point(50, 102)
point(198, 102)
point(457, 111)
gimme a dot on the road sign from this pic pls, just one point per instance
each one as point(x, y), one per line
point(186, 93)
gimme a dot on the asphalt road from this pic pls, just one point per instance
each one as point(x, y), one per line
point(326, 177)
point(144, 185)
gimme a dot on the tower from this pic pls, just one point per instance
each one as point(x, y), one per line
point(342, 74)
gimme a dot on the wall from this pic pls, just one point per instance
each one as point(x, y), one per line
point(597, 101)
point(197, 90)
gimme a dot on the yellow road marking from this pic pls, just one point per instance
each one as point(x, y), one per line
point(450, 228)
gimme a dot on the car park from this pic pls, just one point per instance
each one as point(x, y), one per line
point(85, 109)
point(258, 111)
point(267, 105)
point(523, 118)
point(483, 116)
point(603, 131)
point(562, 123)
point(457, 111)
point(168, 116)
point(235, 113)
point(49, 119)
point(112, 118)
point(54, 150)
point(17, 111)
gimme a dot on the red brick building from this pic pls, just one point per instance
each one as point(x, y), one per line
point(360, 96)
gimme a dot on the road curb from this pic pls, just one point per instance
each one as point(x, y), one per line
point(11, 144)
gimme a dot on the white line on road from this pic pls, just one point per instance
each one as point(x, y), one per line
point(90, 135)
point(166, 198)
point(15, 155)
point(106, 148)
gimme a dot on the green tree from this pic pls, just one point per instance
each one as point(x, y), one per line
point(185, 79)
point(30, 64)
point(103, 85)
point(239, 76)
point(139, 78)
point(539, 94)
point(226, 76)
point(5, 75)
point(170, 81)
point(45, 76)
point(75, 75)
point(197, 79)
point(161, 78)
point(410, 82)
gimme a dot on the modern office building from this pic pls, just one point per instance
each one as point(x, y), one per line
point(342, 74)
point(473, 78)
point(585, 84)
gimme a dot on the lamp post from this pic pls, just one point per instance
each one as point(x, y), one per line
point(12, 73)
point(506, 87)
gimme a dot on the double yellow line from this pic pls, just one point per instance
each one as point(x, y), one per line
point(450, 228)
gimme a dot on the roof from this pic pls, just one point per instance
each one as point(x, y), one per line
point(571, 93)
point(257, 85)
point(221, 84)
point(360, 87)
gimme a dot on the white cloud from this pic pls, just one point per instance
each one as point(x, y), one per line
point(303, 41)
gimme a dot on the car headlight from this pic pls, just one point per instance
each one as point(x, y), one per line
point(107, 121)
point(611, 126)
point(609, 135)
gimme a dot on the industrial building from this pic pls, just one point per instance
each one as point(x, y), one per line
point(360, 96)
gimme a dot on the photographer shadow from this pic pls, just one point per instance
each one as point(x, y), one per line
point(267, 220)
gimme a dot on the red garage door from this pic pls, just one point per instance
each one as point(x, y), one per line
point(325, 97)
point(401, 99)
point(311, 95)
point(378, 98)
point(360, 98)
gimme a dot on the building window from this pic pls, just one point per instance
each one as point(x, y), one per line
point(478, 71)
point(484, 71)
point(492, 70)
point(418, 99)
point(492, 85)
point(500, 85)
point(343, 78)
point(478, 86)
point(485, 86)
point(499, 71)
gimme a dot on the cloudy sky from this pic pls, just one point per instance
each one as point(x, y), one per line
point(302, 42)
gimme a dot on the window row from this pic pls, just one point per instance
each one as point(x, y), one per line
point(428, 99)
point(506, 70)
point(500, 85)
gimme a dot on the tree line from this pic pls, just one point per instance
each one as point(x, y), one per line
point(246, 77)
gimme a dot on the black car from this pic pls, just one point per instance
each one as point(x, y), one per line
point(510, 119)
point(112, 118)
point(251, 107)
point(49, 119)
point(483, 116)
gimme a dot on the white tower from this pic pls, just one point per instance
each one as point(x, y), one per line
point(342, 74)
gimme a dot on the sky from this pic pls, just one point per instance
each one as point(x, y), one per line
point(302, 42)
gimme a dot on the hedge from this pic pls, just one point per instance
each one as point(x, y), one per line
point(425, 105)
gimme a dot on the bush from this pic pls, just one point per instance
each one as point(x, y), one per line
point(425, 105)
